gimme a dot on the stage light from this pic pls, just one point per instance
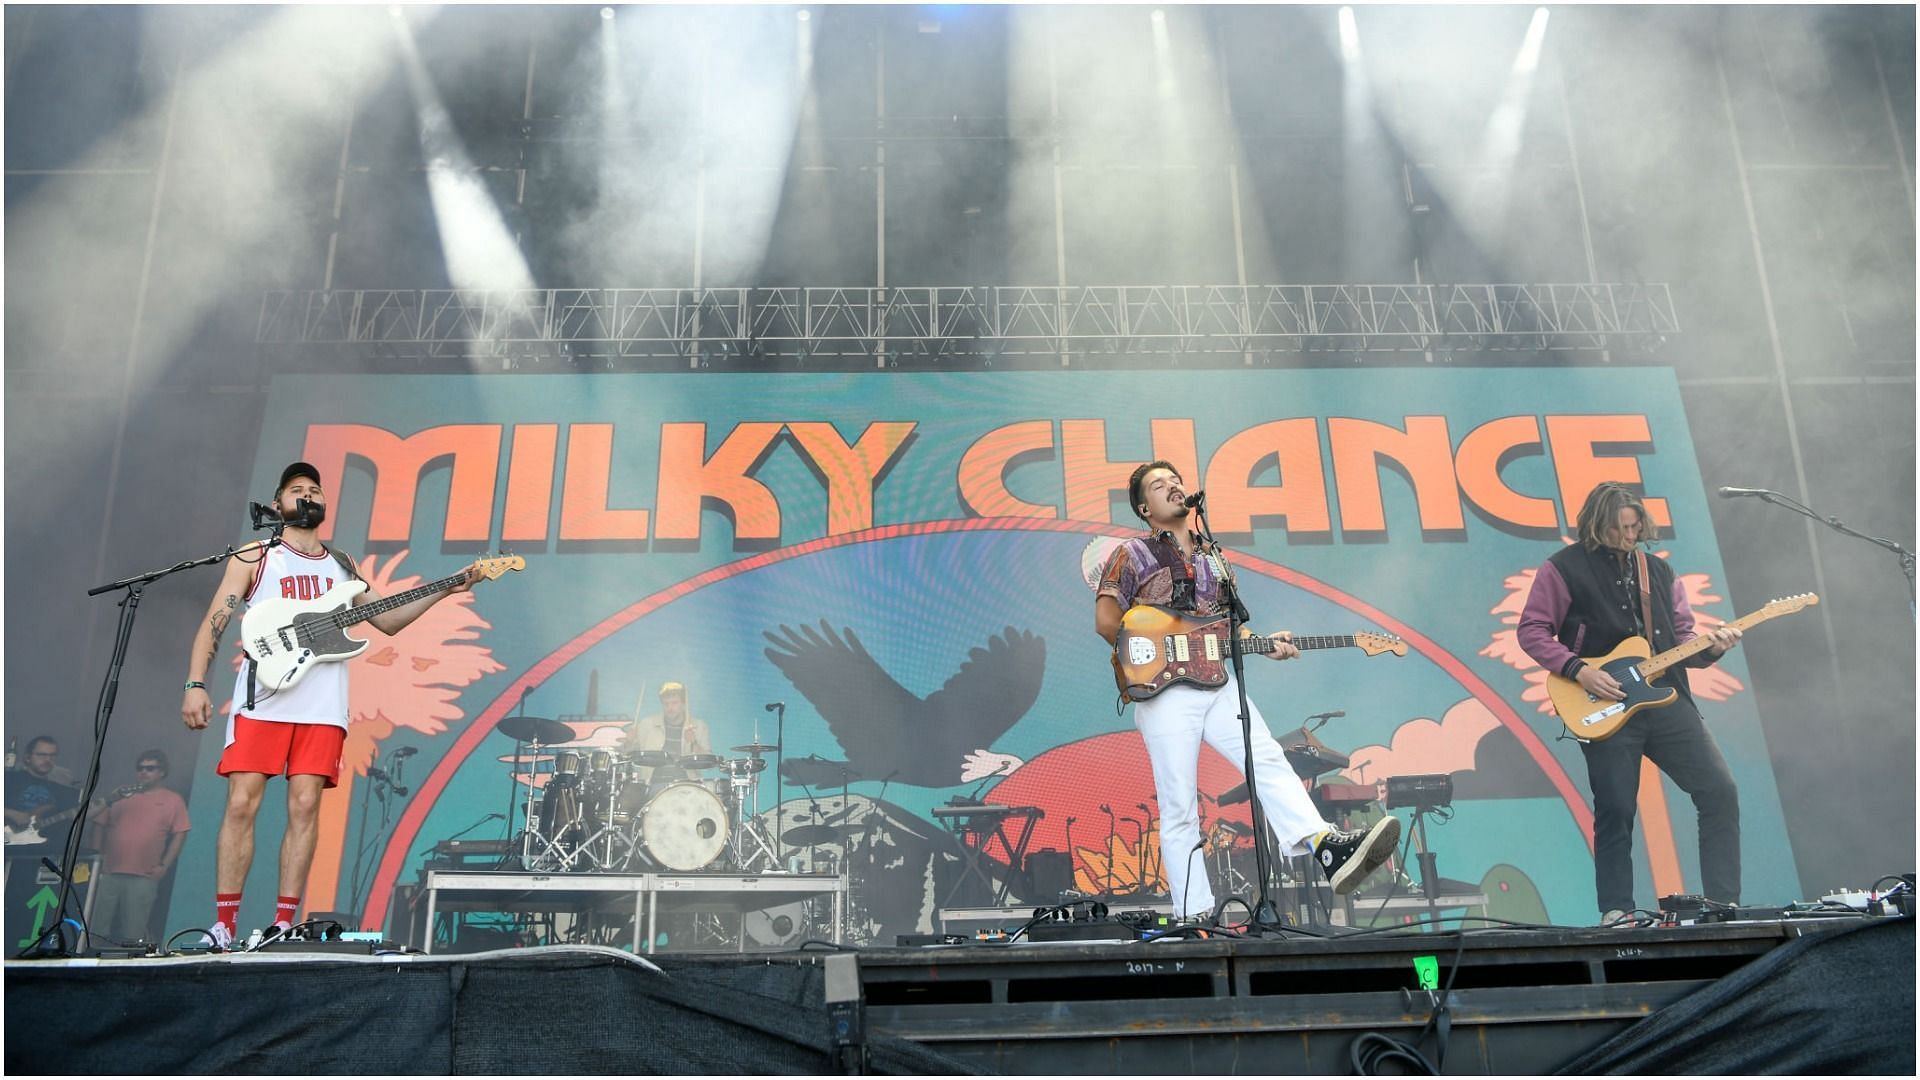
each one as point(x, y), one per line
point(1159, 16)
point(606, 13)
point(803, 15)
point(1529, 56)
point(1349, 36)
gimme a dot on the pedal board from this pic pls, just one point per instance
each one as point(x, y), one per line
point(1083, 930)
point(348, 948)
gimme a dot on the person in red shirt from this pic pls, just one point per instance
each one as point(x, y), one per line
point(145, 830)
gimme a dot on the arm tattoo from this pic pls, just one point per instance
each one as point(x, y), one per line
point(218, 622)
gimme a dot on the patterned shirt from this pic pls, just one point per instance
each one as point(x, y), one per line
point(1134, 576)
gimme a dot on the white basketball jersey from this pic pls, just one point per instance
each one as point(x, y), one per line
point(321, 696)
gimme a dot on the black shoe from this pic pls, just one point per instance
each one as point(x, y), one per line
point(1348, 857)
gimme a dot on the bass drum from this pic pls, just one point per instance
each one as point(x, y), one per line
point(776, 927)
point(684, 827)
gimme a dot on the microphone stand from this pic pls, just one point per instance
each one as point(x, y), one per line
point(1906, 557)
point(103, 715)
point(780, 783)
point(1265, 918)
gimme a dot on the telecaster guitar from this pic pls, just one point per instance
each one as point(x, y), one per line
point(288, 638)
point(30, 832)
point(1158, 647)
point(1595, 718)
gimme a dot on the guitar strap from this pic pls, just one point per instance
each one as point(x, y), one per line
point(1646, 596)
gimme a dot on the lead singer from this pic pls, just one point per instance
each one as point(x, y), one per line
point(1163, 567)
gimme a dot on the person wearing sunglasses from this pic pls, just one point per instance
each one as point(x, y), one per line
point(145, 826)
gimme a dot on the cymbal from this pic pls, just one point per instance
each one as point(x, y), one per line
point(750, 764)
point(755, 748)
point(809, 835)
point(819, 772)
point(534, 729)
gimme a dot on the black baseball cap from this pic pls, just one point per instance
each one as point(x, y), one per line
point(297, 469)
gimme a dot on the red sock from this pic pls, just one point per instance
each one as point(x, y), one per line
point(226, 911)
point(289, 907)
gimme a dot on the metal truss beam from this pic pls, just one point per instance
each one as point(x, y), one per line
point(983, 321)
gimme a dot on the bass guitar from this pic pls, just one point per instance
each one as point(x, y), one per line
point(1595, 718)
point(288, 638)
point(30, 832)
point(1158, 647)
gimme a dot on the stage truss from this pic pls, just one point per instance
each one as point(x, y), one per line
point(602, 327)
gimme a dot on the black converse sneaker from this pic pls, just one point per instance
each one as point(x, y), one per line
point(1348, 857)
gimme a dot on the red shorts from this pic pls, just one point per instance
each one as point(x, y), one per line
point(266, 746)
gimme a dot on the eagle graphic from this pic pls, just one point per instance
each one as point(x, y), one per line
point(884, 728)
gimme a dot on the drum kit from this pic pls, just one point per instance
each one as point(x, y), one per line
point(638, 811)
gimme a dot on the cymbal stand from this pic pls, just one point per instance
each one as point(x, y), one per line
point(750, 843)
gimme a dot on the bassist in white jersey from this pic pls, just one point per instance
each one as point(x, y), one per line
point(296, 730)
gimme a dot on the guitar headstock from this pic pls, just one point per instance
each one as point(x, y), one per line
point(491, 569)
point(1373, 643)
point(1787, 605)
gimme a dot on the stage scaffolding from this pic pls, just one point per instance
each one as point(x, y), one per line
point(707, 327)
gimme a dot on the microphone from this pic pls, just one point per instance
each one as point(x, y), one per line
point(773, 705)
point(262, 516)
point(1194, 499)
point(1736, 492)
point(403, 752)
point(306, 514)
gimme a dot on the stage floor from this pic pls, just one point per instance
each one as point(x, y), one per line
point(1516, 1000)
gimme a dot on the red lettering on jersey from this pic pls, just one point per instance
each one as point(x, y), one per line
point(286, 588)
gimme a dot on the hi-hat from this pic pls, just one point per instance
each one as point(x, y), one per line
point(755, 748)
point(534, 729)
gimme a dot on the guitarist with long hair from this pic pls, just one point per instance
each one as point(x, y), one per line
point(1165, 567)
point(296, 729)
point(1586, 599)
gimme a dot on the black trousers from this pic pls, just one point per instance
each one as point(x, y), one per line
point(1678, 743)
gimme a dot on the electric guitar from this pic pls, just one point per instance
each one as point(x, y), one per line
point(288, 638)
point(1595, 718)
point(30, 832)
point(1158, 647)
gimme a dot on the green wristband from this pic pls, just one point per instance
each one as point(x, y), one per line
point(194, 684)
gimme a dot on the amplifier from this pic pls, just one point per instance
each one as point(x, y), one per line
point(1427, 791)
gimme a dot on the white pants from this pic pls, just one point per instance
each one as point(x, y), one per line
point(1173, 724)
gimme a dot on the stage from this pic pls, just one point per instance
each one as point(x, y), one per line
point(1831, 995)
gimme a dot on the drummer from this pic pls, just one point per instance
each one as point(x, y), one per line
point(672, 730)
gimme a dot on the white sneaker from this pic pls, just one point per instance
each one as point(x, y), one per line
point(221, 937)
